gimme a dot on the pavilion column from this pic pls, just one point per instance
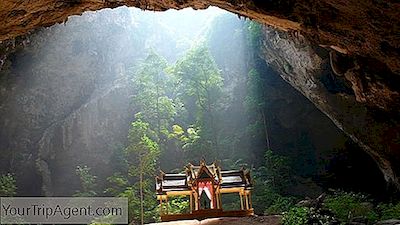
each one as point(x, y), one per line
point(196, 201)
point(219, 203)
point(191, 202)
point(241, 201)
point(220, 200)
point(247, 201)
point(251, 202)
point(216, 200)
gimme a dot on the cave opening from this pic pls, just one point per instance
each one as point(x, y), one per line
point(71, 95)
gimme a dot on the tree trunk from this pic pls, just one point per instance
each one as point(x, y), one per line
point(141, 194)
point(158, 108)
point(213, 125)
point(265, 128)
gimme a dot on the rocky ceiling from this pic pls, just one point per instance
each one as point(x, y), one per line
point(368, 28)
point(363, 38)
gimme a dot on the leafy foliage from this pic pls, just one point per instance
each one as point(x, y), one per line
point(149, 131)
point(8, 186)
point(142, 151)
point(255, 98)
point(151, 83)
point(342, 208)
point(297, 216)
point(137, 182)
point(389, 211)
point(199, 85)
point(255, 33)
point(188, 138)
point(117, 184)
point(88, 182)
point(280, 204)
point(178, 204)
point(142, 154)
point(270, 181)
point(255, 102)
point(346, 206)
point(198, 76)
point(277, 170)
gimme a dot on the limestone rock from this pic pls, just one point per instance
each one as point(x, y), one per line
point(367, 121)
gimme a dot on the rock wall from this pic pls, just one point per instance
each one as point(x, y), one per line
point(64, 103)
point(87, 136)
point(308, 69)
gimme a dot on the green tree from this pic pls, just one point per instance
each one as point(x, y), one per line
point(142, 153)
point(137, 183)
point(88, 182)
point(152, 87)
point(200, 86)
point(271, 181)
point(254, 36)
point(154, 99)
point(255, 100)
point(8, 186)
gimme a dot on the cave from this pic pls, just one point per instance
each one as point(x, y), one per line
point(331, 72)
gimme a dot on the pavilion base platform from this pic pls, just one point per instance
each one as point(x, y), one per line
point(206, 213)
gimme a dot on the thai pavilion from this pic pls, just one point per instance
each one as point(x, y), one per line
point(205, 185)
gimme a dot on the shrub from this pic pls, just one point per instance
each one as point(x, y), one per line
point(178, 204)
point(88, 182)
point(8, 187)
point(346, 206)
point(280, 204)
point(296, 216)
point(304, 215)
point(389, 211)
point(270, 181)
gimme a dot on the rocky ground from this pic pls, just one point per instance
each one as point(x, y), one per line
point(255, 220)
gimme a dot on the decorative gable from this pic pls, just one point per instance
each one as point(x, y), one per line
point(204, 173)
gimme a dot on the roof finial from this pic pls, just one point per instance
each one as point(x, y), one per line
point(202, 162)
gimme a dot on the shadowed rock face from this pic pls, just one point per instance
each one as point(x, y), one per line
point(65, 102)
point(360, 40)
point(372, 124)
